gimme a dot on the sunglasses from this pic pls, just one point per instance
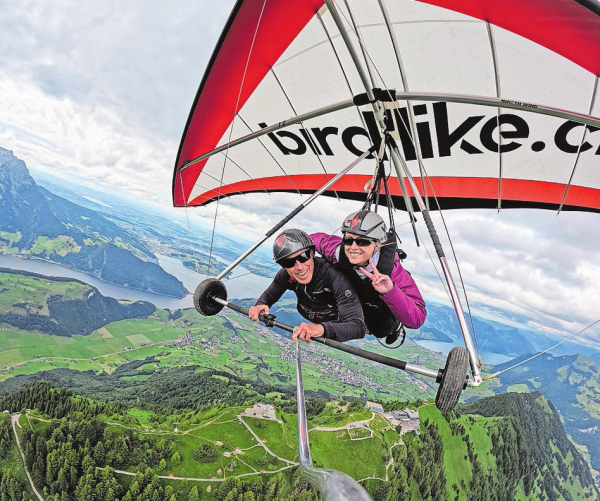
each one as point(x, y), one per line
point(361, 242)
point(290, 262)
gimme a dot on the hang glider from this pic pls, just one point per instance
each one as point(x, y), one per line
point(492, 104)
point(479, 104)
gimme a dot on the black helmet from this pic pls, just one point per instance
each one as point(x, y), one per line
point(365, 223)
point(290, 241)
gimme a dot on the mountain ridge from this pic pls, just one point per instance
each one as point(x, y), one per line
point(63, 315)
point(35, 222)
point(571, 382)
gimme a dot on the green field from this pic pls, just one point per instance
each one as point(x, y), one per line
point(229, 342)
point(336, 450)
point(239, 452)
point(282, 437)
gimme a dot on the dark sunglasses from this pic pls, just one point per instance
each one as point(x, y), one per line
point(361, 242)
point(290, 262)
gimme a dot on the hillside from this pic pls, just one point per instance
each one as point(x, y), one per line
point(228, 343)
point(36, 223)
point(173, 234)
point(571, 383)
point(101, 334)
point(541, 438)
point(59, 306)
point(223, 452)
point(441, 325)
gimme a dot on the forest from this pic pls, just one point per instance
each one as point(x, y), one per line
point(75, 445)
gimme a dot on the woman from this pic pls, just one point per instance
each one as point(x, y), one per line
point(388, 294)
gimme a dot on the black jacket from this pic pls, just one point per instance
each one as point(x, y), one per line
point(328, 299)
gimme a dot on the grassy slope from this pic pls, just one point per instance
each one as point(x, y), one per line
point(246, 343)
point(336, 449)
point(479, 429)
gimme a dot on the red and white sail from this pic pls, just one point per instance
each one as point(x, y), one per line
point(497, 102)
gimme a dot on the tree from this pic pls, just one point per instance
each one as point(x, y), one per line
point(176, 459)
point(163, 464)
point(206, 454)
point(193, 495)
point(100, 454)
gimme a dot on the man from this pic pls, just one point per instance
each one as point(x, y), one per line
point(325, 296)
point(388, 294)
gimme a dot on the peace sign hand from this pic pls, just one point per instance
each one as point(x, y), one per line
point(381, 283)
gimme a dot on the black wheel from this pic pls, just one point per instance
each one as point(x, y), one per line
point(203, 297)
point(454, 379)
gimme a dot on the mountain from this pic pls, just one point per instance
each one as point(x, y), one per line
point(537, 446)
point(571, 382)
point(189, 239)
point(36, 223)
point(441, 325)
point(79, 310)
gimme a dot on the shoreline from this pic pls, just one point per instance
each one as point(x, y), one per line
point(54, 263)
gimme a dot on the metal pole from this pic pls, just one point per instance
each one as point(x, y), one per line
point(342, 105)
point(334, 485)
point(353, 350)
point(400, 166)
point(443, 261)
point(303, 447)
point(298, 209)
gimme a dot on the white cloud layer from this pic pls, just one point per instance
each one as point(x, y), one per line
point(100, 91)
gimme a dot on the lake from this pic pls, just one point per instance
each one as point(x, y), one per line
point(242, 284)
point(486, 357)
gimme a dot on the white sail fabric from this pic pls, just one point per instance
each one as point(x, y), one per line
point(279, 59)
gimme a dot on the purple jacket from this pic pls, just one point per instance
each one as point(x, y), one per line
point(404, 300)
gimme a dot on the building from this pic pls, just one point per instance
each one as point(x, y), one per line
point(404, 415)
point(264, 411)
point(374, 407)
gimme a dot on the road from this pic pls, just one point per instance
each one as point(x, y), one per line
point(14, 419)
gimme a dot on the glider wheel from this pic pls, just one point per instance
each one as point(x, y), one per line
point(203, 296)
point(453, 380)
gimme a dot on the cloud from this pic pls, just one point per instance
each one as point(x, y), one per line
point(527, 264)
point(143, 59)
point(100, 91)
point(69, 138)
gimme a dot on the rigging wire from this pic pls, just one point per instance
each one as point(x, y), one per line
point(542, 352)
point(187, 217)
point(426, 175)
point(249, 273)
point(230, 134)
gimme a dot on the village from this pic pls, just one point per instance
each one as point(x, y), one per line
point(408, 420)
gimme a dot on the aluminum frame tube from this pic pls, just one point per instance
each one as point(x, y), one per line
point(342, 105)
point(298, 209)
point(400, 165)
point(303, 445)
point(334, 485)
point(352, 350)
point(464, 329)
point(409, 96)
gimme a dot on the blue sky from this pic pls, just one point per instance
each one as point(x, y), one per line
point(100, 92)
